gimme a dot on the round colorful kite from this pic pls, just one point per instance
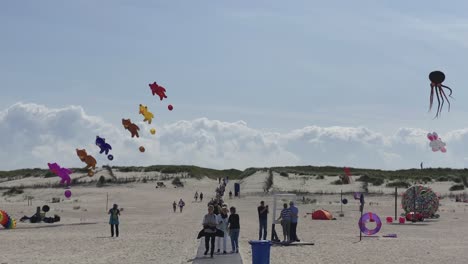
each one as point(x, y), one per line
point(426, 201)
point(369, 217)
point(7, 221)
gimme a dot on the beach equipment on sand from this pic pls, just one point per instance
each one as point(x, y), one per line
point(236, 189)
point(389, 220)
point(369, 217)
point(322, 215)
point(420, 199)
point(260, 251)
point(401, 220)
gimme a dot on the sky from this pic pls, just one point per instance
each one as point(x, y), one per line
point(253, 83)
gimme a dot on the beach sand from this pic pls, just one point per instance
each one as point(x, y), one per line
point(151, 233)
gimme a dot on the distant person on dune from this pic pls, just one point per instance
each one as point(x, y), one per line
point(196, 196)
point(114, 213)
point(174, 206)
point(201, 197)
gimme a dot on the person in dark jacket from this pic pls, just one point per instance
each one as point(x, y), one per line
point(234, 229)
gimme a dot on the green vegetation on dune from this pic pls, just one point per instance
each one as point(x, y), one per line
point(372, 176)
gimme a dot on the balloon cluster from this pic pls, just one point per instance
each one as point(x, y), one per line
point(436, 143)
point(7, 221)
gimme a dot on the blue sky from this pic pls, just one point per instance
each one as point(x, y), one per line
point(278, 66)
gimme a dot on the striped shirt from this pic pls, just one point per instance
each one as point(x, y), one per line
point(286, 214)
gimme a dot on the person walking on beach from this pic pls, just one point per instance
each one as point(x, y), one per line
point(114, 213)
point(286, 222)
point(262, 218)
point(181, 204)
point(222, 220)
point(234, 229)
point(201, 197)
point(196, 196)
point(294, 218)
point(209, 225)
point(230, 194)
point(174, 206)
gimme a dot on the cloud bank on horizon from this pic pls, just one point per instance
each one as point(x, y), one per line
point(32, 135)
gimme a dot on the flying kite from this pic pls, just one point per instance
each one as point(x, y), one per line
point(101, 143)
point(437, 78)
point(146, 114)
point(88, 159)
point(159, 90)
point(127, 123)
point(436, 143)
point(63, 173)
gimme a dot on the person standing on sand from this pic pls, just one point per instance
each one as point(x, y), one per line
point(262, 218)
point(196, 196)
point(294, 218)
point(286, 222)
point(201, 197)
point(209, 225)
point(222, 220)
point(230, 194)
point(114, 213)
point(174, 206)
point(234, 229)
point(181, 204)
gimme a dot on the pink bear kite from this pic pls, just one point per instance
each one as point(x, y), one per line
point(436, 142)
point(63, 173)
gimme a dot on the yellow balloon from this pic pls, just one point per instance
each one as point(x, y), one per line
point(153, 131)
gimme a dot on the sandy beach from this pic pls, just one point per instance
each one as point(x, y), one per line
point(152, 233)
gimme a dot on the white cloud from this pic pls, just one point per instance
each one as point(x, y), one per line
point(32, 135)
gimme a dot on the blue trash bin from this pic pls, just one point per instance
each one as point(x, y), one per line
point(260, 251)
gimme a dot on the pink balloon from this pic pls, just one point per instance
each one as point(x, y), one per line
point(68, 193)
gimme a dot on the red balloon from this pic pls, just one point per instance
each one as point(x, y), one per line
point(170, 107)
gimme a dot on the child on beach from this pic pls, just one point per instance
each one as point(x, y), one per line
point(114, 213)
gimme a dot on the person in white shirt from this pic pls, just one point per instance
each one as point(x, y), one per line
point(222, 220)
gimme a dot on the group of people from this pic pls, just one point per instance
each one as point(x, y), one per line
point(196, 196)
point(181, 205)
point(218, 225)
point(228, 225)
point(288, 217)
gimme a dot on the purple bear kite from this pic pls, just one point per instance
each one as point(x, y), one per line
point(63, 173)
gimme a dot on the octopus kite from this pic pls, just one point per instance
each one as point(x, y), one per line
point(159, 90)
point(437, 78)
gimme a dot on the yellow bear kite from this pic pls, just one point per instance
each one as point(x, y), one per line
point(147, 114)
